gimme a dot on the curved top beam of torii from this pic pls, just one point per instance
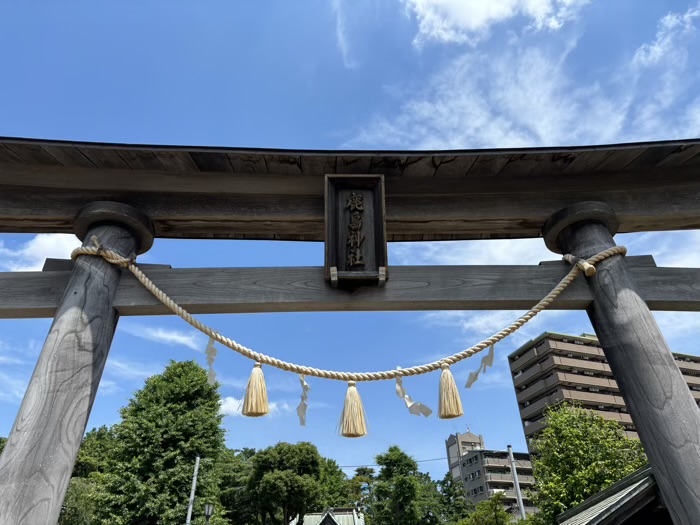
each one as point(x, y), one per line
point(232, 193)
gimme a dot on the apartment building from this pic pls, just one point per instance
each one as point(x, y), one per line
point(556, 367)
point(484, 473)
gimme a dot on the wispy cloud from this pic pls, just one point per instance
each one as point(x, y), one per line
point(30, 255)
point(469, 21)
point(341, 36)
point(131, 370)
point(11, 389)
point(232, 406)
point(8, 360)
point(531, 95)
point(168, 336)
point(109, 387)
point(495, 251)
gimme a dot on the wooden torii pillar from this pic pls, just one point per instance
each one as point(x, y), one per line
point(662, 408)
point(37, 462)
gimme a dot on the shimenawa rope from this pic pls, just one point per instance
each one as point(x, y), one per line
point(585, 265)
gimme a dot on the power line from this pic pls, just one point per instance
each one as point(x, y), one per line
point(417, 461)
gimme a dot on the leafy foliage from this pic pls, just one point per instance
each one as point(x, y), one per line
point(453, 503)
point(396, 489)
point(170, 421)
point(489, 512)
point(237, 503)
point(79, 505)
point(401, 495)
point(285, 481)
point(579, 453)
point(336, 490)
point(95, 452)
point(2, 443)
point(140, 470)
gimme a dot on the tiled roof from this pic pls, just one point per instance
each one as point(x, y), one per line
point(338, 516)
point(635, 490)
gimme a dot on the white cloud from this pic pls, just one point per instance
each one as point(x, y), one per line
point(30, 255)
point(530, 94)
point(665, 63)
point(677, 248)
point(488, 252)
point(11, 389)
point(671, 28)
point(190, 339)
point(108, 387)
point(341, 34)
point(467, 21)
point(232, 406)
point(130, 370)
point(523, 97)
point(7, 360)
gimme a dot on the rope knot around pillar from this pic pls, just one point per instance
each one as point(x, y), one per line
point(108, 255)
point(583, 265)
point(587, 266)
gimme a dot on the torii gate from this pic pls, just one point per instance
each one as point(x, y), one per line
point(577, 198)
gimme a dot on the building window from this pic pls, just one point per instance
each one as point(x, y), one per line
point(481, 489)
point(478, 473)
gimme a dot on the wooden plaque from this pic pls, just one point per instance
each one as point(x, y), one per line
point(356, 251)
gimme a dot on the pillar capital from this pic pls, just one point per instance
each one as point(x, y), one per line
point(579, 212)
point(108, 212)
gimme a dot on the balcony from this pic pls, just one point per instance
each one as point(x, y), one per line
point(508, 478)
point(563, 378)
point(550, 345)
point(507, 494)
point(564, 363)
point(690, 366)
point(533, 410)
point(500, 462)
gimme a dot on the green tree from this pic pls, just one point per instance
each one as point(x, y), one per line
point(237, 502)
point(488, 512)
point(2, 443)
point(362, 490)
point(429, 501)
point(336, 489)
point(95, 452)
point(170, 421)
point(396, 489)
point(85, 487)
point(453, 502)
point(285, 482)
point(79, 505)
point(579, 453)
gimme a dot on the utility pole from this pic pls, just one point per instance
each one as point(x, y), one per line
point(194, 486)
point(516, 484)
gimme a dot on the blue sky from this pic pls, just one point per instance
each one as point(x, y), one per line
point(404, 74)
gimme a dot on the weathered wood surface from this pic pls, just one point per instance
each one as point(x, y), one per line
point(427, 217)
point(662, 408)
point(303, 289)
point(37, 461)
point(268, 194)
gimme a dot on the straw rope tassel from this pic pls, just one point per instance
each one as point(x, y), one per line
point(255, 402)
point(450, 404)
point(352, 420)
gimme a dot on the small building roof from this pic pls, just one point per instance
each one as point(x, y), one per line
point(621, 503)
point(333, 516)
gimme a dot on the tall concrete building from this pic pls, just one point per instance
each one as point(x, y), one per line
point(484, 473)
point(556, 367)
